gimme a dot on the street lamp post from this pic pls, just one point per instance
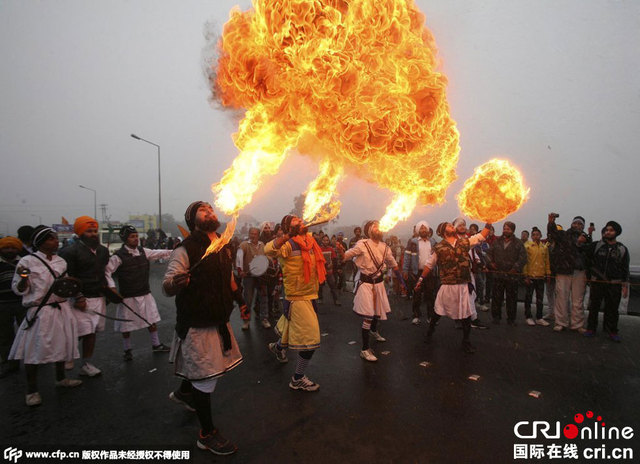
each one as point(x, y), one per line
point(159, 179)
point(95, 204)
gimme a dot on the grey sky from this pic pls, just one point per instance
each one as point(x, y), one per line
point(552, 85)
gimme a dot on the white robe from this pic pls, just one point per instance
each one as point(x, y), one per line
point(53, 336)
point(144, 305)
point(371, 299)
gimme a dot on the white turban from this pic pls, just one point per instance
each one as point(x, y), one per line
point(420, 224)
point(459, 220)
point(266, 223)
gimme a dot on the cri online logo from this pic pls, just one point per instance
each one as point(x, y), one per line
point(596, 430)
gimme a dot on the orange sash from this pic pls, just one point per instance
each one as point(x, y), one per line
point(306, 244)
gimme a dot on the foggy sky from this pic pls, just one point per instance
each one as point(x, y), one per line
point(551, 85)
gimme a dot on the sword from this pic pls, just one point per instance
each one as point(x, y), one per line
point(115, 297)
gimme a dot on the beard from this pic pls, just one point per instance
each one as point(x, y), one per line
point(208, 226)
point(377, 235)
point(91, 242)
point(266, 237)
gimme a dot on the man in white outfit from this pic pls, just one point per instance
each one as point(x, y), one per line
point(372, 257)
point(130, 265)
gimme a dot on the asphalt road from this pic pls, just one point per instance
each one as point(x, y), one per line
point(394, 410)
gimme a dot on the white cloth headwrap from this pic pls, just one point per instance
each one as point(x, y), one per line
point(266, 223)
point(420, 224)
point(459, 220)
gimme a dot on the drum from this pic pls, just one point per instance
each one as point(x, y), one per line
point(258, 265)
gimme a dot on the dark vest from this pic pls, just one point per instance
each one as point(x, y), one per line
point(83, 264)
point(207, 301)
point(133, 273)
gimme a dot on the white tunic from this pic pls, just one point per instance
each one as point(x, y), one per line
point(144, 305)
point(53, 336)
point(371, 299)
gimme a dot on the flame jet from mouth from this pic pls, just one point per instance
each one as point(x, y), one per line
point(359, 78)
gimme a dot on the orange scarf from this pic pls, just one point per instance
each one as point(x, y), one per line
point(306, 244)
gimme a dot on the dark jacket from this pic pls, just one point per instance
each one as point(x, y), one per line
point(566, 256)
point(509, 259)
point(608, 261)
point(84, 264)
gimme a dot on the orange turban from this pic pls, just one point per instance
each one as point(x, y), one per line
point(11, 242)
point(83, 223)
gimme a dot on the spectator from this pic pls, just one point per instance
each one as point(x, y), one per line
point(330, 264)
point(536, 271)
point(357, 235)
point(506, 258)
point(569, 261)
point(524, 236)
point(609, 267)
point(416, 254)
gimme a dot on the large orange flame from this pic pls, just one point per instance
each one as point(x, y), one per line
point(495, 190)
point(358, 78)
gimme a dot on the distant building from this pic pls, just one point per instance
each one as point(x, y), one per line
point(143, 222)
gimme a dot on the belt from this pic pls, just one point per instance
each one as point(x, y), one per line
point(370, 280)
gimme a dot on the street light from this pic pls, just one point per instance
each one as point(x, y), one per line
point(95, 205)
point(159, 179)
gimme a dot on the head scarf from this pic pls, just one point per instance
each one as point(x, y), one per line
point(459, 220)
point(40, 235)
point(579, 219)
point(11, 242)
point(83, 223)
point(510, 225)
point(617, 227)
point(368, 226)
point(441, 228)
point(190, 214)
point(125, 231)
point(419, 225)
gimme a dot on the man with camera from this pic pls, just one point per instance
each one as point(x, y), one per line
point(569, 260)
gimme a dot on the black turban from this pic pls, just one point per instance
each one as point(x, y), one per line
point(40, 235)
point(441, 228)
point(617, 227)
point(190, 214)
point(125, 231)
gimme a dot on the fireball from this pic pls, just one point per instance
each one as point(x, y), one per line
point(495, 190)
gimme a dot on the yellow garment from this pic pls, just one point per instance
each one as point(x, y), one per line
point(295, 287)
point(537, 260)
point(302, 331)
